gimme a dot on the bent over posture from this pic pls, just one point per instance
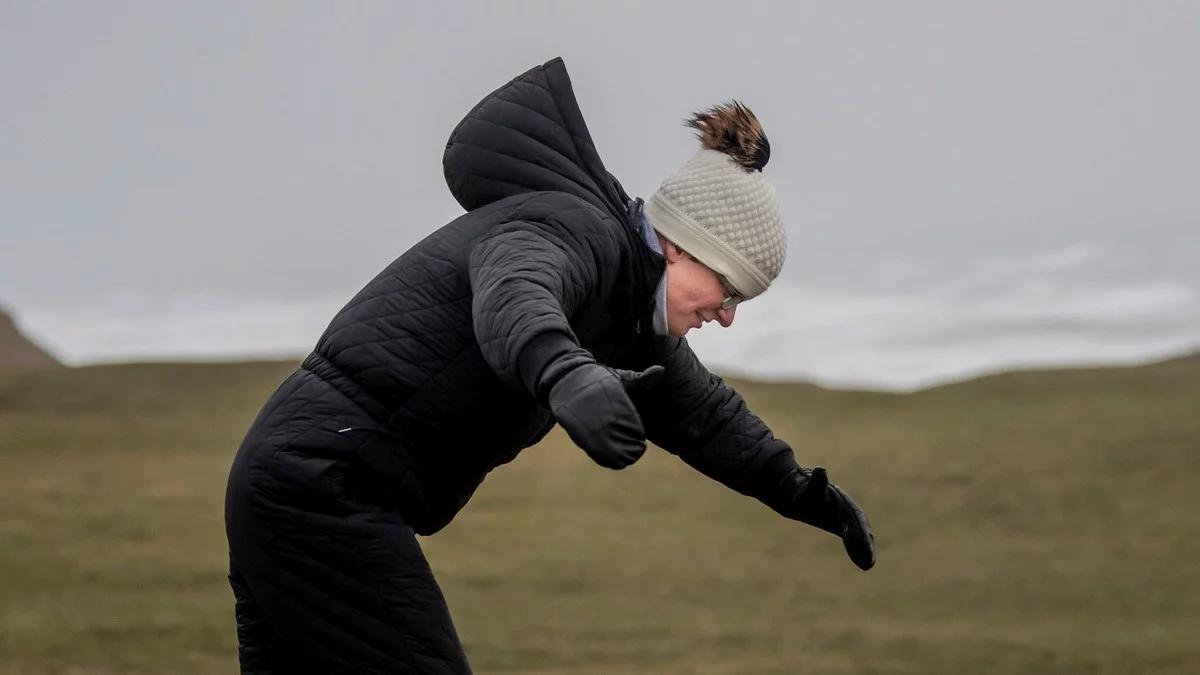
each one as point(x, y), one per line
point(555, 298)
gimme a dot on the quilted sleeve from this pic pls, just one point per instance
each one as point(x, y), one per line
point(527, 279)
point(693, 414)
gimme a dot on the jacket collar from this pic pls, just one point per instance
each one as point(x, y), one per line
point(646, 269)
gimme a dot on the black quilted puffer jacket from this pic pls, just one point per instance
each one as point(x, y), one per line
point(439, 369)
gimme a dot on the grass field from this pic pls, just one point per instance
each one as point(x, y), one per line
point(1026, 522)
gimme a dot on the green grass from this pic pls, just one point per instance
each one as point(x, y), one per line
point(1026, 522)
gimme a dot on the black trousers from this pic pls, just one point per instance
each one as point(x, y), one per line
point(333, 592)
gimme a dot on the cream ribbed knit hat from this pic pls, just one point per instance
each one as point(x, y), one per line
point(719, 208)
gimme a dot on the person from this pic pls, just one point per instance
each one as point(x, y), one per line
point(556, 298)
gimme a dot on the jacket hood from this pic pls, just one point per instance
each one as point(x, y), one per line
point(529, 136)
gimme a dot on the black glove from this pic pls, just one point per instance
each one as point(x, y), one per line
point(591, 404)
point(823, 504)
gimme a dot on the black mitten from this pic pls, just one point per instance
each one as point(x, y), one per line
point(591, 404)
point(823, 504)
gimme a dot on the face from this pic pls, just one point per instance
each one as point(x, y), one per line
point(694, 293)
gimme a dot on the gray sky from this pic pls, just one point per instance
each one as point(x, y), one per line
point(217, 178)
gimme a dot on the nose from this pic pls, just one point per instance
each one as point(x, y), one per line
point(725, 316)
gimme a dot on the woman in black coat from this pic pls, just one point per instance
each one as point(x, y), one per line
point(555, 298)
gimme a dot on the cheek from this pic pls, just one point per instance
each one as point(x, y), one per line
point(690, 290)
point(676, 302)
point(680, 299)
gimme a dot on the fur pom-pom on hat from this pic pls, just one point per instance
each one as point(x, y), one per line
point(733, 129)
point(718, 207)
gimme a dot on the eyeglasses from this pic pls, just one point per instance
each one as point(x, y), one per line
point(732, 297)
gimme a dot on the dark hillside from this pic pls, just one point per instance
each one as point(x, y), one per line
point(16, 350)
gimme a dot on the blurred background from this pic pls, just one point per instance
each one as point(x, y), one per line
point(987, 325)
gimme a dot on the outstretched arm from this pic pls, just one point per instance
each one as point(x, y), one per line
point(693, 414)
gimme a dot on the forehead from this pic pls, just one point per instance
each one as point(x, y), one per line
point(696, 274)
point(721, 279)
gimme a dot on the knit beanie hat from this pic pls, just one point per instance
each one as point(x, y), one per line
point(719, 208)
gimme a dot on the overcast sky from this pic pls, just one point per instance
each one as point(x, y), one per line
point(967, 185)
